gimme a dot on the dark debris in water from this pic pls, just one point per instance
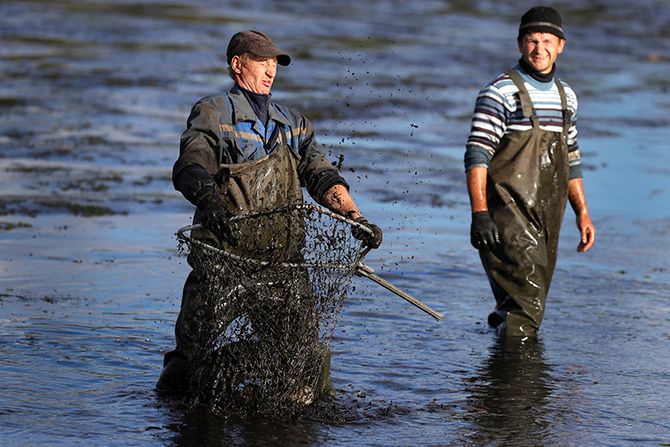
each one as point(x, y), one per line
point(8, 226)
point(24, 295)
point(84, 191)
point(82, 209)
point(33, 206)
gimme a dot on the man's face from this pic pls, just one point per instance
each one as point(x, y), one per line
point(540, 50)
point(254, 73)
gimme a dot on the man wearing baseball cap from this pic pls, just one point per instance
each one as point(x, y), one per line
point(241, 153)
point(523, 164)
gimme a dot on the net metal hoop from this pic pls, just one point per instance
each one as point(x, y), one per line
point(181, 235)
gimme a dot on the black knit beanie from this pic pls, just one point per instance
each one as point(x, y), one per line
point(541, 19)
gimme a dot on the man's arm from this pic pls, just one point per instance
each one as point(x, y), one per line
point(578, 202)
point(200, 143)
point(316, 173)
point(477, 188)
point(192, 173)
point(323, 181)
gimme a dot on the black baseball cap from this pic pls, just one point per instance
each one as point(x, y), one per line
point(256, 43)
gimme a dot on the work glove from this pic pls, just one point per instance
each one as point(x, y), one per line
point(373, 240)
point(483, 232)
point(213, 213)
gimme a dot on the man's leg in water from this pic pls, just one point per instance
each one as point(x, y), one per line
point(177, 364)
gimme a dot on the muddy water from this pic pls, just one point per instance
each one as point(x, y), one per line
point(93, 96)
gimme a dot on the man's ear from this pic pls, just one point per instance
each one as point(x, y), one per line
point(561, 45)
point(236, 64)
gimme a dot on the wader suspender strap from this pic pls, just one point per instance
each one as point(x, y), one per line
point(567, 114)
point(526, 104)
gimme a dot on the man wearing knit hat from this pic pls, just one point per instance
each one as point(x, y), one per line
point(523, 164)
point(242, 153)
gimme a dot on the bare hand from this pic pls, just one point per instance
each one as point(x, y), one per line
point(587, 231)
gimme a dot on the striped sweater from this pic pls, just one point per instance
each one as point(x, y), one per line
point(498, 112)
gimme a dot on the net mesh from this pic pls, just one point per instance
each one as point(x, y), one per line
point(271, 295)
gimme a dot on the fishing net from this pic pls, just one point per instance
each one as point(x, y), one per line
point(271, 295)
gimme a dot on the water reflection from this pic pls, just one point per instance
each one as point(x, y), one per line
point(197, 427)
point(508, 398)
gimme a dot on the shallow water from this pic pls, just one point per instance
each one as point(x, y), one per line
point(93, 97)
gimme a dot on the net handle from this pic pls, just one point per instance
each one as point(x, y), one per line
point(303, 206)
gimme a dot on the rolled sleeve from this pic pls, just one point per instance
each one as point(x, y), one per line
point(476, 156)
point(575, 171)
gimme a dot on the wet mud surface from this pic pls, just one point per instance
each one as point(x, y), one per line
point(93, 97)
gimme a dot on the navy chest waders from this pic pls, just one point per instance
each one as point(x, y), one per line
point(527, 190)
